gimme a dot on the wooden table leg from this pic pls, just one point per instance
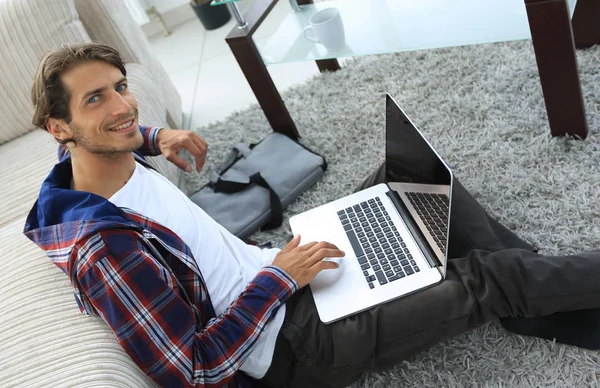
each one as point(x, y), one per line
point(586, 23)
point(250, 61)
point(328, 65)
point(552, 38)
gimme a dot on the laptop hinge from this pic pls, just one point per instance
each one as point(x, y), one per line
point(430, 256)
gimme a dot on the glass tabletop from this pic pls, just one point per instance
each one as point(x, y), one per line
point(385, 26)
point(214, 3)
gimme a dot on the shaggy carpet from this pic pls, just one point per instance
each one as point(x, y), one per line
point(482, 108)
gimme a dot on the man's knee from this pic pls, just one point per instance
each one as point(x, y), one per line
point(376, 177)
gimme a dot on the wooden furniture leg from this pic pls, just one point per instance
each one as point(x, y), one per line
point(250, 61)
point(553, 44)
point(586, 23)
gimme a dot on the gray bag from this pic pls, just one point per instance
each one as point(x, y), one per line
point(254, 184)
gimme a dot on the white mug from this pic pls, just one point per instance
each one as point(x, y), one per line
point(328, 29)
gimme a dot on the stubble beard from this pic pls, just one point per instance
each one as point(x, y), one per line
point(105, 151)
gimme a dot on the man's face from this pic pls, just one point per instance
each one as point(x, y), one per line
point(103, 111)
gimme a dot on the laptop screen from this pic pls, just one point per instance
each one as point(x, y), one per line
point(411, 159)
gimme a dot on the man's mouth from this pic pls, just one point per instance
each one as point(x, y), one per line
point(123, 126)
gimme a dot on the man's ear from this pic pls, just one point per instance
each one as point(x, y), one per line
point(59, 129)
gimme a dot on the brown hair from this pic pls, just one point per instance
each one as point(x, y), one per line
point(49, 96)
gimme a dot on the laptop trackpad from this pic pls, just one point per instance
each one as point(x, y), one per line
point(329, 277)
point(340, 279)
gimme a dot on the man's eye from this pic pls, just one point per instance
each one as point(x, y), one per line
point(121, 87)
point(93, 99)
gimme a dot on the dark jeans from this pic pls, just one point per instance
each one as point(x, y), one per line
point(492, 274)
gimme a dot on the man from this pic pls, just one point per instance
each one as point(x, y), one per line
point(194, 306)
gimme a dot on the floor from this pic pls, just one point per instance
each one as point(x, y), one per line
point(206, 74)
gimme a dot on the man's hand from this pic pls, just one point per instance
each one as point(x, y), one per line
point(171, 141)
point(304, 262)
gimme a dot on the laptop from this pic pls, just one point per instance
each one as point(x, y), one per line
point(395, 235)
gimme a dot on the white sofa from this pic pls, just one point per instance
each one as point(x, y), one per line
point(44, 340)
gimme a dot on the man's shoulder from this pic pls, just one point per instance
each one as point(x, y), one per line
point(113, 244)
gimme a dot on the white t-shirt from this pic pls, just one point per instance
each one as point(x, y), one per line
point(227, 264)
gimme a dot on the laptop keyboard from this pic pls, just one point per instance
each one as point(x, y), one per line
point(433, 210)
point(381, 252)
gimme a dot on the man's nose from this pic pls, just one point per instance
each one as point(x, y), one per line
point(118, 104)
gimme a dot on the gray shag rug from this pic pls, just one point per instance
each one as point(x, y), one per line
point(482, 108)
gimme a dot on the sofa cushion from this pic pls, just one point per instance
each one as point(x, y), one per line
point(25, 163)
point(152, 112)
point(28, 29)
point(143, 87)
point(46, 341)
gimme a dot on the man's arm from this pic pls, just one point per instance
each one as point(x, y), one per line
point(170, 141)
point(141, 303)
point(150, 146)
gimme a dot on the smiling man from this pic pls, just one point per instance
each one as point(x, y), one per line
point(192, 305)
point(70, 102)
point(189, 302)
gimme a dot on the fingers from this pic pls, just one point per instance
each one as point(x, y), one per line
point(198, 155)
point(321, 245)
point(308, 246)
point(292, 244)
point(179, 162)
point(322, 253)
point(326, 252)
point(191, 142)
point(200, 159)
point(202, 146)
point(199, 139)
point(322, 265)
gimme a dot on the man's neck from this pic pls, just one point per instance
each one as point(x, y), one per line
point(102, 175)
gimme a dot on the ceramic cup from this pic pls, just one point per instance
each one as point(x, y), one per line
point(326, 28)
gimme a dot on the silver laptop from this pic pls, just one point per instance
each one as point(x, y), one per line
point(395, 235)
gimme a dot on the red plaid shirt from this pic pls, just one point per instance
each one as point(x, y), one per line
point(161, 314)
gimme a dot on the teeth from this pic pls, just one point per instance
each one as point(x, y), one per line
point(122, 126)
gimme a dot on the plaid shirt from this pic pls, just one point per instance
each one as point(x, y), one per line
point(161, 314)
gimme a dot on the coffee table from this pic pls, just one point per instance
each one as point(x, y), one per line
point(556, 28)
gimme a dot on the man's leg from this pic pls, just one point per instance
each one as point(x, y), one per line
point(472, 228)
point(481, 286)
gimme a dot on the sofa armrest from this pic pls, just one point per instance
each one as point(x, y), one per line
point(109, 22)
